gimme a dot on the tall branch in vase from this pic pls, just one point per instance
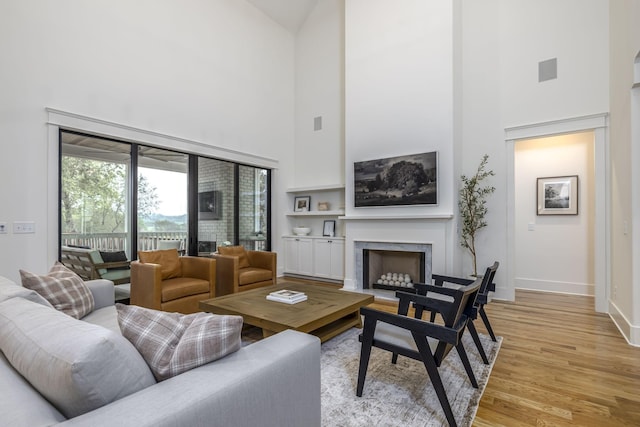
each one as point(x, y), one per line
point(473, 207)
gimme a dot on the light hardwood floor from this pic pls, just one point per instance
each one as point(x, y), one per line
point(560, 364)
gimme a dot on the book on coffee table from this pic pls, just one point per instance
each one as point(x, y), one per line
point(287, 296)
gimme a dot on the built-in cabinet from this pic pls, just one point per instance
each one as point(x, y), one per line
point(314, 256)
point(328, 258)
point(298, 255)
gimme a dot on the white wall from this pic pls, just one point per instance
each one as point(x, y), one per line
point(554, 252)
point(399, 100)
point(220, 73)
point(625, 181)
point(319, 155)
point(502, 43)
point(576, 32)
point(399, 89)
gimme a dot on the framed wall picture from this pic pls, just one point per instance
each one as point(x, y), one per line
point(558, 195)
point(397, 181)
point(210, 205)
point(302, 204)
point(329, 228)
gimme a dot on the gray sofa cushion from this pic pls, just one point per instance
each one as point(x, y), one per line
point(8, 290)
point(103, 293)
point(105, 317)
point(21, 404)
point(75, 365)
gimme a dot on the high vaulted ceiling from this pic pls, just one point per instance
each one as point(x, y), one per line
point(291, 14)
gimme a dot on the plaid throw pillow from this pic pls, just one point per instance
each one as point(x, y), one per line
point(173, 343)
point(63, 288)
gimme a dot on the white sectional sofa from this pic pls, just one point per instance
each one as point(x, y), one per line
point(273, 382)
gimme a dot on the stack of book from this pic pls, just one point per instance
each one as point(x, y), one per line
point(286, 296)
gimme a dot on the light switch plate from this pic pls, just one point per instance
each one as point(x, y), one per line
point(24, 227)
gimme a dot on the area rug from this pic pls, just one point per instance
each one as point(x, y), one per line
point(401, 394)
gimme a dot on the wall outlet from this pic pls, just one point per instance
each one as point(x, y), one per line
point(24, 227)
point(3, 228)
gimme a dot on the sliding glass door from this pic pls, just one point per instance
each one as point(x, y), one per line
point(216, 204)
point(118, 195)
point(253, 207)
point(94, 193)
point(162, 199)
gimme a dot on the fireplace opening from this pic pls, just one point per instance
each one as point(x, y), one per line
point(392, 270)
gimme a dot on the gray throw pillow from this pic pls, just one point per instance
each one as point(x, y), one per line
point(64, 289)
point(172, 343)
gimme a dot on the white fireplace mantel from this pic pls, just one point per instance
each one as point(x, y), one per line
point(394, 217)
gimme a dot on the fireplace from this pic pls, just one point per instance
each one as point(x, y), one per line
point(392, 270)
point(375, 259)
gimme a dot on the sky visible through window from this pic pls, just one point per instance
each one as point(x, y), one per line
point(171, 188)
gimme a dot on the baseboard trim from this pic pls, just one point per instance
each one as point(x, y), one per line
point(554, 286)
point(630, 332)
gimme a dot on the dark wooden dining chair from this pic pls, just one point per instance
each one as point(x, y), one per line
point(486, 286)
point(483, 298)
point(419, 339)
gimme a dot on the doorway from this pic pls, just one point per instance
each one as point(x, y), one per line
point(554, 214)
point(595, 125)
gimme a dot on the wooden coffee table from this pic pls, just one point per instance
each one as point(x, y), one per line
point(326, 313)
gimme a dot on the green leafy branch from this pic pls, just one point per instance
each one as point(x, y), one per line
point(472, 204)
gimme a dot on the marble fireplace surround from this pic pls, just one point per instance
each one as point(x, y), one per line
point(432, 234)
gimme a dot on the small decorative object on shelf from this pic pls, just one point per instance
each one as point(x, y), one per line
point(329, 228)
point(287, 296)
point(301, 231)
point(323, 206)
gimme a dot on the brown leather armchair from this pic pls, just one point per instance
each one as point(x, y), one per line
point(162, 280)
point(240, 270)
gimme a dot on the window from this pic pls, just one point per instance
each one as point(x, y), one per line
point(116, 195)
point(94, 195)
point(162, 199)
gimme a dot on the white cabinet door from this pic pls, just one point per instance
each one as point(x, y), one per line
point(329, 258)
point(298, 255)
point(337, 259)
point(305, 256)
point(322, 259)
point(290, 255)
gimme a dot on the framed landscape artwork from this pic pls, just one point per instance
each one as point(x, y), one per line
point(558, 195)
point(210, 205)
point(397, 181)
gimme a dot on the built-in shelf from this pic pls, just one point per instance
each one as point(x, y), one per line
point(316, 213)
point(312, 236)
point(316, 188)
point(393, 217)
